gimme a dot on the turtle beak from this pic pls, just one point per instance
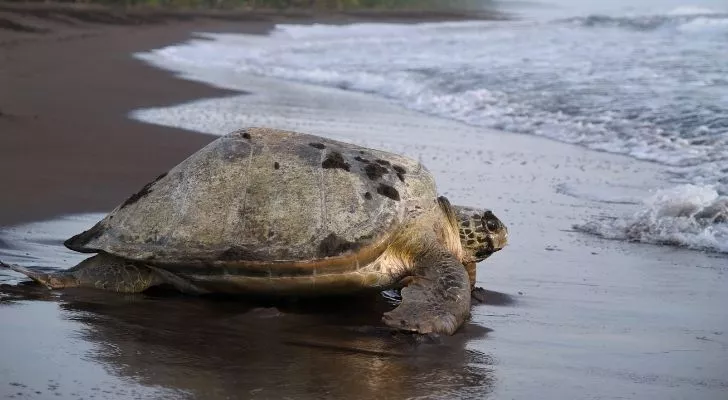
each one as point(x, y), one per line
point(498, 240)
point(485, 253)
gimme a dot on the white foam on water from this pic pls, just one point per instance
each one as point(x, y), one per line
point(650, 86)
point(692, 10)
point(688, 215)
point(704, 25)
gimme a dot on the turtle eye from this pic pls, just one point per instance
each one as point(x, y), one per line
point(491, 225)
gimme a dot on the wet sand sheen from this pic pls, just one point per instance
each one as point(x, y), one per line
point(168, 346)
point(571, 317)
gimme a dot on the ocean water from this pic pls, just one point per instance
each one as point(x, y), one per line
point(644, 79)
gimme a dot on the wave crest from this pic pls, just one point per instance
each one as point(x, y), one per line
point(689, 216)
point(682, 22)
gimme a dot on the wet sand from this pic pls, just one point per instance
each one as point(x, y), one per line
point(569, 315)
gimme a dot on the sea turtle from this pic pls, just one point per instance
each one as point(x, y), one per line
point(265, 211)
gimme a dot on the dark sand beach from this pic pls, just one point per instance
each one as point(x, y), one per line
point(67, 144)
point(569, 316)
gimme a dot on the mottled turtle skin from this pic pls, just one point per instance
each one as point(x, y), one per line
point(266, 211)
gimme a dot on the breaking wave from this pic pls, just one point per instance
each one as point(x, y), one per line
point(659, 95)
point(683, 21)
point(689, 216)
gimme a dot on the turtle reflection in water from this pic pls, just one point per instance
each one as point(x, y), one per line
point(264, 211)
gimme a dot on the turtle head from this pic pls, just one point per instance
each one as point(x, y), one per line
point(481, 232)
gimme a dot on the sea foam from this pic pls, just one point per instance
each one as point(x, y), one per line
point(651, 86)
point(688, 216)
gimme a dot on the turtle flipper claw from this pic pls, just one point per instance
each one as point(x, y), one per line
point(479, 295)
point(436, 298)
point(420, 318)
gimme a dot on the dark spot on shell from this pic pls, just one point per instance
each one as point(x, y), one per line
point(335, 160)
point(375, 171)
point(400, 169)
point(470, 242)
point(368, 196)
point(333, 245)
point(276, 165)
point(361, 160)
point(466, 224)
point(246, 135)
point(308, 154)
point(468, 231)
point(271, 234)
point(143, 192)
point(382, 162)
point(481, 240)
point(317, 145)
point(77, 242)
point(471, 235)
point(388, 191)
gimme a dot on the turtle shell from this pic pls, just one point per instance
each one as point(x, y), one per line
point(265, 196)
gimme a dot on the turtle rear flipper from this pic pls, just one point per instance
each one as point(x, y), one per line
point(107, 272)
point(51, 281)
point(102, 271)
point(436, 298)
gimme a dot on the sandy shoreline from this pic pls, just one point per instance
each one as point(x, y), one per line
point(67, 145)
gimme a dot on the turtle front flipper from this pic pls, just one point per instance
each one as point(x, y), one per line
point(436, 298)
point(102, 271)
